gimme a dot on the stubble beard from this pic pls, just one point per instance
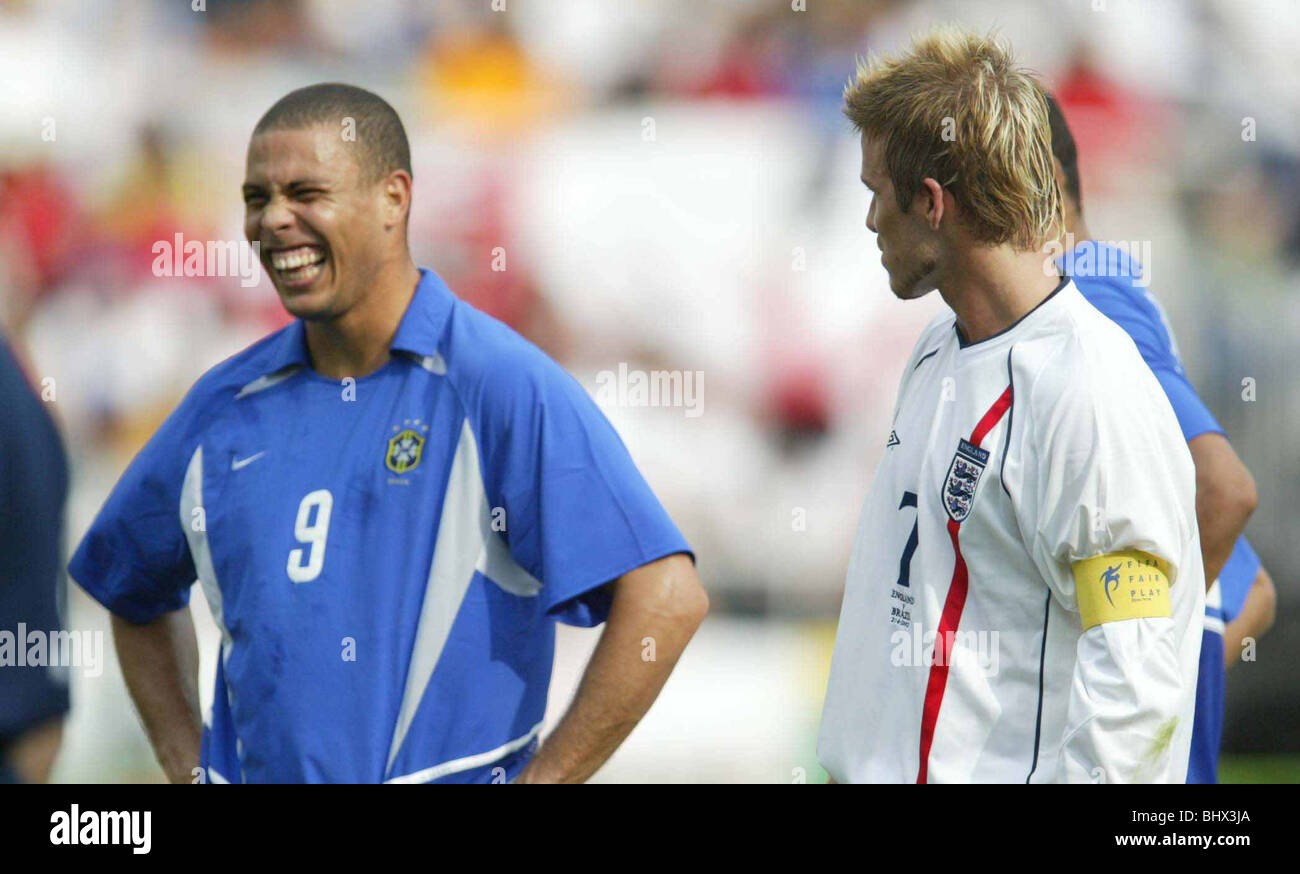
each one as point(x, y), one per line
point(918, 282)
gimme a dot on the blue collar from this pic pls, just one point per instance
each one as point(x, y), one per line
point(420, 329)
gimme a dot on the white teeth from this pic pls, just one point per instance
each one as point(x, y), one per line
point(300, 264)
point(301, 274)
point(292, 259)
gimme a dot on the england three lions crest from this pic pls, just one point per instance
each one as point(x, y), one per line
point(963, 479)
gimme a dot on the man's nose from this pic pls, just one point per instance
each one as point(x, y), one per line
point(277, 216)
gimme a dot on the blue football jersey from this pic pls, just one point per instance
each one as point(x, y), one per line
point(385, 557)
point(33, 487)
point(1109, 279)
point(1222, 604)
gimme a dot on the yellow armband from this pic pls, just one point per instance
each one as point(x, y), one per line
point(1122, 585)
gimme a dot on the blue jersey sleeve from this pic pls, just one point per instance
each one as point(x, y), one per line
point(135, 559)
point(1194, 417)
point(1236, 578)
point(1133, 311)
point(578, 512)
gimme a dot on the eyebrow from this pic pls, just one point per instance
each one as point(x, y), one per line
point(295, 183)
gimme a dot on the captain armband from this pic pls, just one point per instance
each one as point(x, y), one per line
point(1122, 585)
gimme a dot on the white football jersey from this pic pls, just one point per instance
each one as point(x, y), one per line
point(961, 654)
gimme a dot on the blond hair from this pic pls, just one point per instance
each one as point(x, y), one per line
point(957, 109)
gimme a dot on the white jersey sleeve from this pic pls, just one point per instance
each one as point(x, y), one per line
point(1108, 513)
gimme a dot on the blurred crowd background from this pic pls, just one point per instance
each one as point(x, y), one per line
point(669, 185)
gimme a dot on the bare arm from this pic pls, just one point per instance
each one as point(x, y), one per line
point(663, 601)
point(31, 755)
point(1225, 498)
point(1255, 618)
point(160, 660)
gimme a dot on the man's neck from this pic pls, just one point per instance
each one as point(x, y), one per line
point(994, 287)
point(1076, 227)
point(357, 343)
point(1076, 232)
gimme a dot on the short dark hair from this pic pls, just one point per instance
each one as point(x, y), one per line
point(380, 137)
point(1064, 150)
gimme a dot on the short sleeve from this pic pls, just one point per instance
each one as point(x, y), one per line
point(1194, 418)
point(134, 559)
point(578, 512)
point(1104, 476)
point(1236, 578)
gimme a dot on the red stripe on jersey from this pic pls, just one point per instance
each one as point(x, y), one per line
point(992, 417)
point(952, 605)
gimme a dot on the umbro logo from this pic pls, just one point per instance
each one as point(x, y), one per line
point(237, 463)
point(893, 439)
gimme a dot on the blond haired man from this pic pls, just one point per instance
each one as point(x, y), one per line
point(1024, 596)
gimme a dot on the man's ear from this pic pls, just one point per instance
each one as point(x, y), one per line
point(397, 197)
point(934, 205)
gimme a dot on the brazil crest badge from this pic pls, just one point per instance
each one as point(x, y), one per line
point(404, 451)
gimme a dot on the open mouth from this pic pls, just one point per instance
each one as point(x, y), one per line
point(299, 266)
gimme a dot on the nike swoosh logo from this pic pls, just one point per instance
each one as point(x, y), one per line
point(237, 463)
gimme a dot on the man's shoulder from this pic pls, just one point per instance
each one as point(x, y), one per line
point(490, 360)
point(23, 407)
point(222, 383)
point(1106, 292)
point(938, 328)
point(937, 332)
point(1106, 264)
point(1082, 357)
point(1114, 283)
